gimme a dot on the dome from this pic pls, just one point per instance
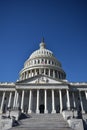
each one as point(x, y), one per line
point(42, 52)
point(42, 61)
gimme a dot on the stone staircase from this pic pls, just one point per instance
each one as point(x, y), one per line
point(43, 122)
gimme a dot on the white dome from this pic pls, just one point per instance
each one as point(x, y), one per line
point(42, 52)
point(42, 60)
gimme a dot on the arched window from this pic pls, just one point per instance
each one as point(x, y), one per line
point(34, 61)
point(45, 61)
point(38, 61)
point(49, 61)
point(52, 62)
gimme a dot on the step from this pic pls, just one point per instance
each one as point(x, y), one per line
point(43, 122)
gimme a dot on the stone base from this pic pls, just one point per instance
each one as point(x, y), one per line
point(45, 111)
point(0, 111)
point(53, 111)
point(6, 124)
point(22, 111)
point(69, 114)
point(37, 111)
point(29, 111)
point(76, 124)
point(14, 113)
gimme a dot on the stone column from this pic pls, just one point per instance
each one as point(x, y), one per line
point(16, 104)
point(45, 101)
point(39, 71)
point(27, 74)
point(24, 75)
point(61, 104)
point(14, 100)
point(74, 104)
point(22, 101)
point(53, 102)
point(44, 71)
point(30, 73)
point(81, 101)
point(58, 74)
point(37, 106)
point(30, 102)
point(35, 72)
point(53, 73)
point(49, 72)
point(68, 99)
point(86, 94)
point(2, 102)
point(9, 101)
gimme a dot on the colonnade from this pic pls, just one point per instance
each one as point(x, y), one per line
point(45, 71)
point(16, 100)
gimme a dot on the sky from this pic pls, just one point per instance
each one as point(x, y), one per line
point(62, 23)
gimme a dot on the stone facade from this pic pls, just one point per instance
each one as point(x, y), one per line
point(42, 87)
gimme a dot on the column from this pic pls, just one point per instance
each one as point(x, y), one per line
point(30, 101)
point(49, 72)
point(9, 101)
point(14, 100)
point(3, 98)
point(45, 101)
point(74, 104)
point(27, 74)
point(81, 101)
point(22, 100)
point(44, 71)
point(61, 104)
point(37, 106)
point(53, 102)
point(35, 72)
point(16, 103)
point(58, 74)
point(68, 99)
point(24, 75)
point(86, 94)
point(39, 71)
point(30, 73)
point(53, 73)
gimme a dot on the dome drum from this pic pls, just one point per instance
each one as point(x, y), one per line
point(44, 71)
point(41, 61)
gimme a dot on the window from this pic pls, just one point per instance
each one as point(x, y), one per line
point(49, 61)
point(38, 61)
point(35, 62)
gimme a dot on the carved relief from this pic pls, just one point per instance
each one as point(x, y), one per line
point(42, 80)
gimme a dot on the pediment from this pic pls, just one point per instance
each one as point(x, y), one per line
point(41, 79)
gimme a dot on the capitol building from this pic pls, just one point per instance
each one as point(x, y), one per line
point(42, 87)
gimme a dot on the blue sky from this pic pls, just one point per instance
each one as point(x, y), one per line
point(63, 23)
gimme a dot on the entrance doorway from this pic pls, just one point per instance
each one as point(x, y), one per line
point(41, 108)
